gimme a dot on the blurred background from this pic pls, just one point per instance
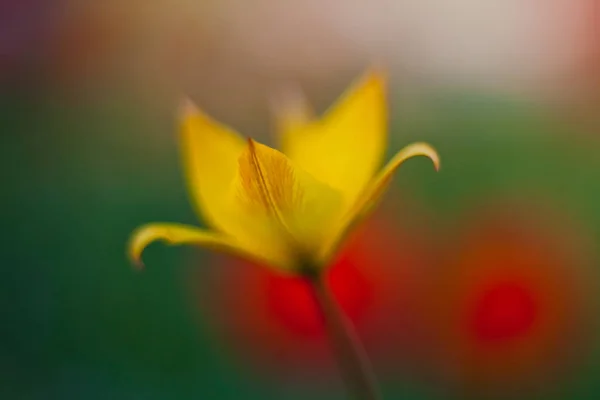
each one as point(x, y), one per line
point(478, 282)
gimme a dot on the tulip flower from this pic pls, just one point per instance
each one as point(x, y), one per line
point(289, 209)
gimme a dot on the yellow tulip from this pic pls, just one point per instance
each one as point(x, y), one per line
point(289, 209)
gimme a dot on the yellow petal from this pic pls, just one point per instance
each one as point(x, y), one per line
point(345, 148)
point(282, 211)
point(210, 156)
point(375, 190)
point(176, 234)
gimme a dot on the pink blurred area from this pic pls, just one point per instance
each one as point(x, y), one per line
point(230, 54)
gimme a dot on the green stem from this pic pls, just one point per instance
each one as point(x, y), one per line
point(353, 362)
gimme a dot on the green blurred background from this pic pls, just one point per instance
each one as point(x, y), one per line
point(89, 151)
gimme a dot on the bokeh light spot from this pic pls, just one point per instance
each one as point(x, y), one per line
point(292, 304)
point(504, 311)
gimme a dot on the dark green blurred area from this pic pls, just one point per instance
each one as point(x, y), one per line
point(79, 322)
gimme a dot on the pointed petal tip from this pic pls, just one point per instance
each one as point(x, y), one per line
point(371, 84)
point(290, 103)
point(289, 95)
point(187, 108)
point(376, 73)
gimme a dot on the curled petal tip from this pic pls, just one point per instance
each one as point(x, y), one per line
point(378, 186)
point(435, 158)
point(139, 240)
point(176, 234)
point(136, 261)
point(422, 149)
point(138, 264)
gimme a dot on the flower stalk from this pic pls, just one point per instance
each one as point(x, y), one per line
point(355, 366)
